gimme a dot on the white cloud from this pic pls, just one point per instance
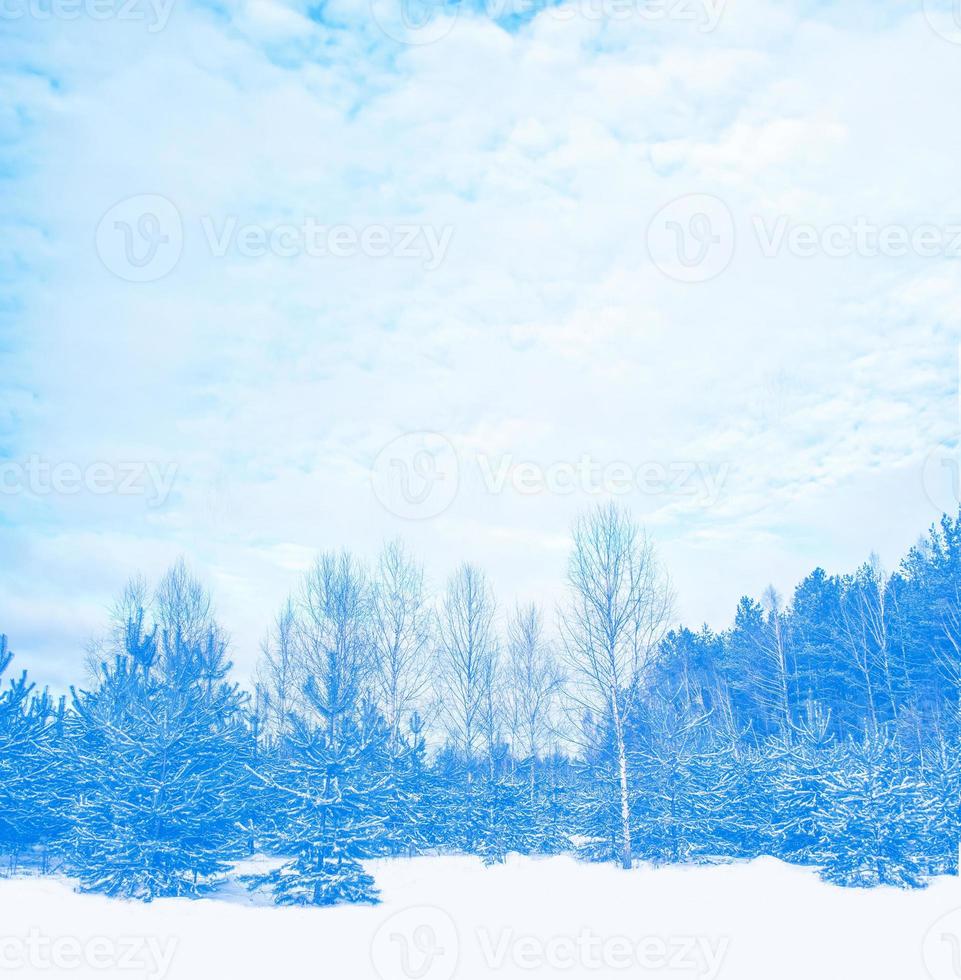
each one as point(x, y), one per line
point(546, 332)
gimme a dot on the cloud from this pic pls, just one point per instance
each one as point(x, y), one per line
point(546, 332)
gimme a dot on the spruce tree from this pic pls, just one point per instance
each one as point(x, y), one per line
point(33, 780)
point(874, 833)
point(804, 763)
point(334, 790)
point(157, 748)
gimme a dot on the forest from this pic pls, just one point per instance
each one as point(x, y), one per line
point(386, 720)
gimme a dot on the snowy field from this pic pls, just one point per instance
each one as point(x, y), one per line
point(445, 918)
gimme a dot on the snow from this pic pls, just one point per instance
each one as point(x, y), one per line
point(447, 917)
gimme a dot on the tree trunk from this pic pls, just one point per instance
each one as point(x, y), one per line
point(627, 852)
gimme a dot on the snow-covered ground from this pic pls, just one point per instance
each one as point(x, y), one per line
point(443, 918)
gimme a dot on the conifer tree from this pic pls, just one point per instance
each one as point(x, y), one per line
point(874, 833)
point(157, 746)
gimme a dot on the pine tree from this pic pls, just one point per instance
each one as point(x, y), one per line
point(735, 796)
point(333, 792)
point(504, 823)
point(32, 777)
point(937, 803)
point(686, 782)
point(596, 805)
point(408, 802)
point(157, 748)
point(804, 764)
point(874, 833)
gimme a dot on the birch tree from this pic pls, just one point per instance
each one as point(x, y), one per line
point(401, 625)
point(533, 683)
point(618, 610)
point(466, 660)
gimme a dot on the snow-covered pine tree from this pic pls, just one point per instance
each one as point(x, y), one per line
point(596, 802)
point(736, 782)
point(556, 787)
point(938, 802)
point(454, 819)
point(805, 761)
point(32, 780)
point(874, 828)
point(528, 804)
point(157, 748)
point(683, 810)
point(504, 825)
point(333, 789)
point(407, 818)
point(331, 778)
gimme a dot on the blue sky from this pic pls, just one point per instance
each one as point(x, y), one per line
point(464, 230)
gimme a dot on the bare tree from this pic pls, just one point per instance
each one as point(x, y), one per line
point(775, 648)
point(279, 676)
point(863, 629)
point(333, 618)
point(619, 609)
point(179, 613)
point(466, 661)
point(182, 606)
point(401, 624)
point(877, 615)
point(533, 681)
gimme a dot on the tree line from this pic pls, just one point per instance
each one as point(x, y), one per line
point(822, 730)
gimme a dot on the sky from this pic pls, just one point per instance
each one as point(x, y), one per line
point(283, 277)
